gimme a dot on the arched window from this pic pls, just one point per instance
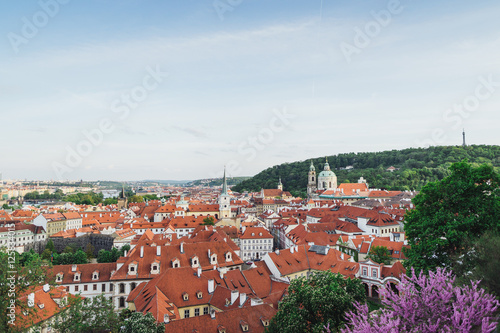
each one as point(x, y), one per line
point(121, 302)
point(121, 288)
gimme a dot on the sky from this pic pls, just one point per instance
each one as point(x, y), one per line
point(150, 89)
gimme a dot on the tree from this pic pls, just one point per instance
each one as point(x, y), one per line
point(136, 198)
point(451, 214)
point(316, 302)
point(16, 280)
point(482, 263)
point(50, 245)
point(428, 304)
point(89, 251)
point(209, 220)
point(139, 323)
point(92, 314)
point(380, 254)
point(80, 257)
point(104, 256)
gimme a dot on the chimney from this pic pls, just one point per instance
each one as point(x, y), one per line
point(46, 288)
point(182, 247)
point(209, 253)
point(221, 274)
point(342, 255)
point(199, 271)
point(166, 319)
point(73, 268)
point(234, 296)
point(292, 249)
point(142, 251)
point(31, 300)
point(243, 299)
point(211, 286)
point(212, 314)
point(277, 252)
point(158, 250)
point(125, 253)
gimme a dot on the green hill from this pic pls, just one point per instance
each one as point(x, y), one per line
point(416, 167)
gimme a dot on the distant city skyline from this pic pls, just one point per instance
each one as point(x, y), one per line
point(131, 90)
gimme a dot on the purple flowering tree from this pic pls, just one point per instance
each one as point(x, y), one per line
point(428, 304)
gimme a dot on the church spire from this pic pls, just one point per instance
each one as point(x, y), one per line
point(224, 184)
point(463, 134)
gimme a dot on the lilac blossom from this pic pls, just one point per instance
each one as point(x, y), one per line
point(427, 304)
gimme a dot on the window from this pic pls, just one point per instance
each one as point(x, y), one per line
point(103, 287)
point(121, 302)
point(196, 312)
point(205, 310)
point(186, 313)
point(94, 287)
point(111, 287)
point(76, 288)
point(374, 273)
point(365, 271)
point(132, 286)
point(122, 288)
point(85, 288)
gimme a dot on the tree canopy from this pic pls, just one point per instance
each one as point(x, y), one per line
point(415, 167)
point(380, 254)
point(17, 275)
point(316, 302)
point(451, 214)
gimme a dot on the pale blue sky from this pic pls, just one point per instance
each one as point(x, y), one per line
point(228, 77)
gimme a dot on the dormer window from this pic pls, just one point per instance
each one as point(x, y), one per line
point(59, 277)
point(176, 263)
point(199, 294)
point(185, 296)
point(265, 322)
point(155, 267)
point(95, 275)
point(244, 326)
point(228, 256)
point(132, 268)
point(195, 261)
point(213, 258)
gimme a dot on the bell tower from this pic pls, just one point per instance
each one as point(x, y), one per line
point(311, 182)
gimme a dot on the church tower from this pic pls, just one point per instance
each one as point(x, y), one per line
point(224, 200)
point(311, 182)
point(122, 199)
point(280, 185)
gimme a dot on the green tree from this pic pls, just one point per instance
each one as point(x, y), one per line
point(46, 254)
point(104, 256)
point(92, 314)
point(140, 323)
point(80, 257)
point(209, 220)
point(33, 273)
point(312, 304)
point(380, 254)
point(68, 249)
point(483, 263)
point(89, 251)
point(450, 215)
point(124, 248)
point(50, 246)
point(136, 198)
